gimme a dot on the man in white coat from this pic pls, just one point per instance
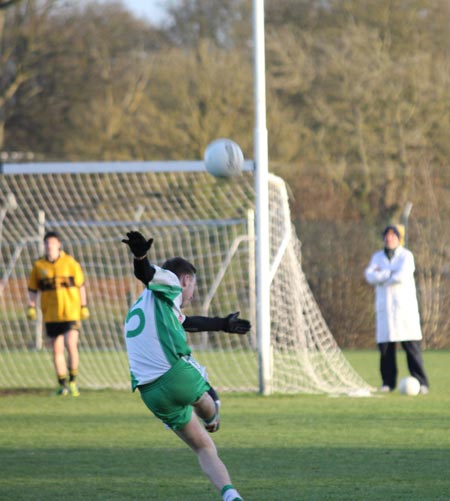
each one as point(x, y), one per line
point(391, 272)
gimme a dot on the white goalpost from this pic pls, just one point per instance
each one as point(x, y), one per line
point(262, 203)
point(190, 213)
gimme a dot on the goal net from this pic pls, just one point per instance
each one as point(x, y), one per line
point(189, 213)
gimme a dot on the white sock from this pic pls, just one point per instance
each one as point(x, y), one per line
point(231, 495)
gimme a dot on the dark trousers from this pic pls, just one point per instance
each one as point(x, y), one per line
point(388, 362)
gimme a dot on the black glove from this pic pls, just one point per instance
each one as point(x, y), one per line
point(137, 243)
point(236, 325)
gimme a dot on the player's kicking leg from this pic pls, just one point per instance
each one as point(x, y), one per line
point(195, 436)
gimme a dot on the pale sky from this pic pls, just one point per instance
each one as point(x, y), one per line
point(151, 9)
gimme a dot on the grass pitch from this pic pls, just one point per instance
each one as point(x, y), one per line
point(105, 445)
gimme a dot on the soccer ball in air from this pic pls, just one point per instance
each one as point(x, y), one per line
point(224, 158)
point(409, 386)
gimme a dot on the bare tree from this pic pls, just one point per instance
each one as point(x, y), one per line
point(21, 41)
point(80, 60)
point(191, 21)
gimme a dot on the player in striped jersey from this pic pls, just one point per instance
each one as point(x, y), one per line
point(59, 280)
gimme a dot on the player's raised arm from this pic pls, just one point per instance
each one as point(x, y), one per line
point(139, 247)
point(231, 323)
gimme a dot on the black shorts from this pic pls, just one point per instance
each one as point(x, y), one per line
point(55, 329)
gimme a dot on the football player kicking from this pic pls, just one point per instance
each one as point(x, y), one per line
point(170, 381)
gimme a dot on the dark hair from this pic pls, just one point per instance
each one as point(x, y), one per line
point(393, 228)
point(179, 266)
point(52, 234)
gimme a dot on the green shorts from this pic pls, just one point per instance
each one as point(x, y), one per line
point(171, 396)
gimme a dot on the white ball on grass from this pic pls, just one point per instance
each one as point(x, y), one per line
point(409, 386)
point(224, 158)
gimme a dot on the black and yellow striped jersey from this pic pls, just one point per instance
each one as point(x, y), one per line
point(59, 283)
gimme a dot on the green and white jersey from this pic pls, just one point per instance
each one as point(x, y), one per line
point(154, 335)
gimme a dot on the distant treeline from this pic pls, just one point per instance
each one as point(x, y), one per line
point(358, 114)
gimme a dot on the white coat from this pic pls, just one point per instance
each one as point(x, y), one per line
point(396, 308)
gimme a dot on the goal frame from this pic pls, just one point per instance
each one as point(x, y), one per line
point(259, 284)
point(302, 354)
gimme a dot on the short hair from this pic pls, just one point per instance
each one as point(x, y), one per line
point(393, 228)
point(52, 234)
point(179, 266)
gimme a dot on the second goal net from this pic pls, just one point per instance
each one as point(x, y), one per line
point(206, 220)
